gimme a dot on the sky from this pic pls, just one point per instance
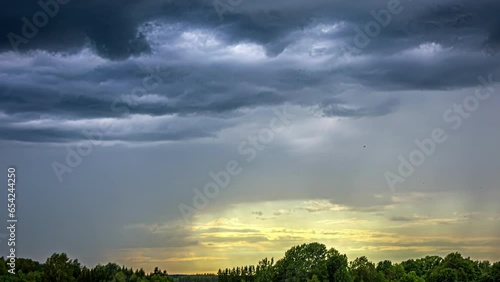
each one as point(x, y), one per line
point(196, 135)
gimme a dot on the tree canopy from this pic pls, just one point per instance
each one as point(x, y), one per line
point(312, 262)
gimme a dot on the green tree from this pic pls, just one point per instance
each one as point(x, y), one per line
point(36, 276)
point(337, 266)
point(264, 271)
point(119, 277)
point(28, 265)
point(465, 268)
point(160, 278)
point(495, 271)
point(391, 272)
point(444, 275)
point(3, 266)
point(134, 278)
point(59, 268)
point(85, 275)
point(302, 262)
point(411, 277)
point(362, 270)
point(313, 279)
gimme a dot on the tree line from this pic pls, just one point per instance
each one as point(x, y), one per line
point(303, 263)
point(315, 263)
point(59, 268)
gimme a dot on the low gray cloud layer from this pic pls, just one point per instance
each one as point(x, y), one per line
point(260, 54)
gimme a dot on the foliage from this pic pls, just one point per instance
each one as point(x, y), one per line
point(303, 262)
point(59, 267)
point(313, 262)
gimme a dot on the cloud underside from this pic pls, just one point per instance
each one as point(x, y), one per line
point(176, 71)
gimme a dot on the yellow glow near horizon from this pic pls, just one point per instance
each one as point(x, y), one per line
point(245, 233)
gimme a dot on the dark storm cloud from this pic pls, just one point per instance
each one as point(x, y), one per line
point(113, 27)
point(429, 45)
point(219, 81)
point(58, 135)
point(445, 22)
point(36, 135)
point(31, 102)
point(444, 70)
point(454, 19)
point(39, 101)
